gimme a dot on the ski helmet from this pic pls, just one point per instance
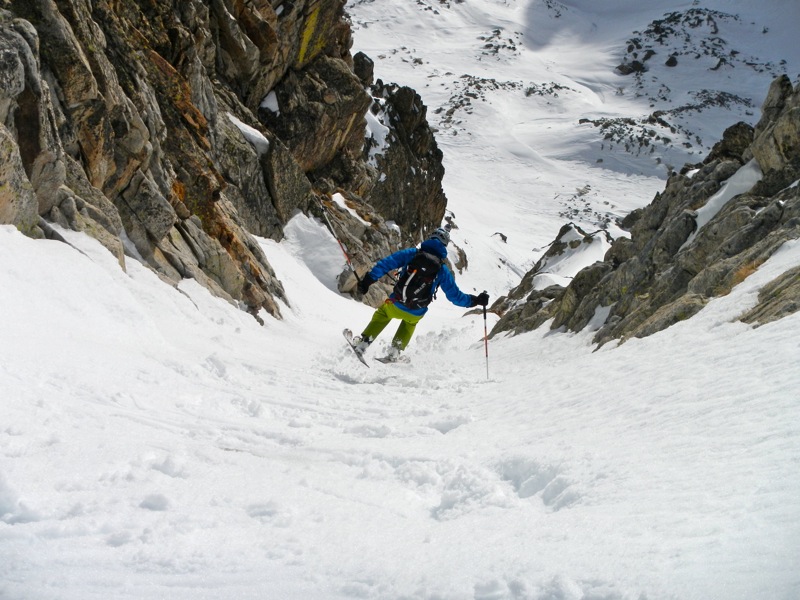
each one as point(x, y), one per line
point(442, 235)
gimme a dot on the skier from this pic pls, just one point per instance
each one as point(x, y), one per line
point(423, 272)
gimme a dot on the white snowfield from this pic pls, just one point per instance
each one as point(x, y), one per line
point(158, 443)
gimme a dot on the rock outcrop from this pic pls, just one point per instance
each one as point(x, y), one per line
point(174, 131)
point(410, 193)
point(710, 228)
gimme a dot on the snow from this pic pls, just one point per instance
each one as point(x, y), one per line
point(559, 270)
point(739, 183)
point(342, 203)
point(252, 135)
point(379, 133)
point(270, 101)
point(529, 151)
point(157, 442)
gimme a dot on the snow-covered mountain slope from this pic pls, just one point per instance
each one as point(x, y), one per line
point(160, 443)
point(534, 117)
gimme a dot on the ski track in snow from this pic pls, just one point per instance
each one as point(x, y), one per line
point(260, 464)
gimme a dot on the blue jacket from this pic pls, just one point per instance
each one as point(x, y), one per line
point(444, 279)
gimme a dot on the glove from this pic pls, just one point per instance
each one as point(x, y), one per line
point(366, 281)
point(481, 299)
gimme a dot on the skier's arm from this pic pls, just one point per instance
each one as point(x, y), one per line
point(394, 261)
point(448, 284)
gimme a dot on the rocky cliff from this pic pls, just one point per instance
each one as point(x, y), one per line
point(713, 225)
point(174, 131)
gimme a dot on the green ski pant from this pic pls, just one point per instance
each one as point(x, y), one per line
point(381, 318)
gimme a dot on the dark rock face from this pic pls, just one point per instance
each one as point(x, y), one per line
point(670, 268)
point(172, 131)
point(320, 113)
point(635, 66)
point(410, 192)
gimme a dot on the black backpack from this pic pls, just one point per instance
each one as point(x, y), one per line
point(414, 288)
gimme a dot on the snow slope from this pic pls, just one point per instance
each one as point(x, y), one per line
point(509, 82)
point(160, 443)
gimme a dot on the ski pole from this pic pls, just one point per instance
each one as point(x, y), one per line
point(341, 245)
point(486, 341)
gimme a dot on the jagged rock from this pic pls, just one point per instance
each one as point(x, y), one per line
point(635, 66)
point(669, 270)
point(735, 141)
point(621, 251)
point(18, 205)
point(777, 141)
point(364, 68)
point(145, 212)
point(365, 236)
point(462, 262)
point(538, 308)
point(27, 112)
point(324, 30)
point(410, 190)
point(777, 299)
point(672, 237)
point(242, 166)
point(669, 314)
point(568, 313)
point(779, 92)
point(321, 112)
point(14, 54)
point(524, 293)
point(122, 128)
point(527, 301)
point(749, 248)
point(631, 219)
point(774, 181)
point(288, 186)
point(171, 131)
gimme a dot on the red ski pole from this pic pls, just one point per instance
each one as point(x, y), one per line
point(486, 341)
point(341, 245)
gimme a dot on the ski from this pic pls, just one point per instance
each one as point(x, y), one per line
point(387, 360)
point(348, 335)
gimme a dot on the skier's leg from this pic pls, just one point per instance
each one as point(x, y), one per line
point(404, 332)
point(403, 335)
point(380, 319)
